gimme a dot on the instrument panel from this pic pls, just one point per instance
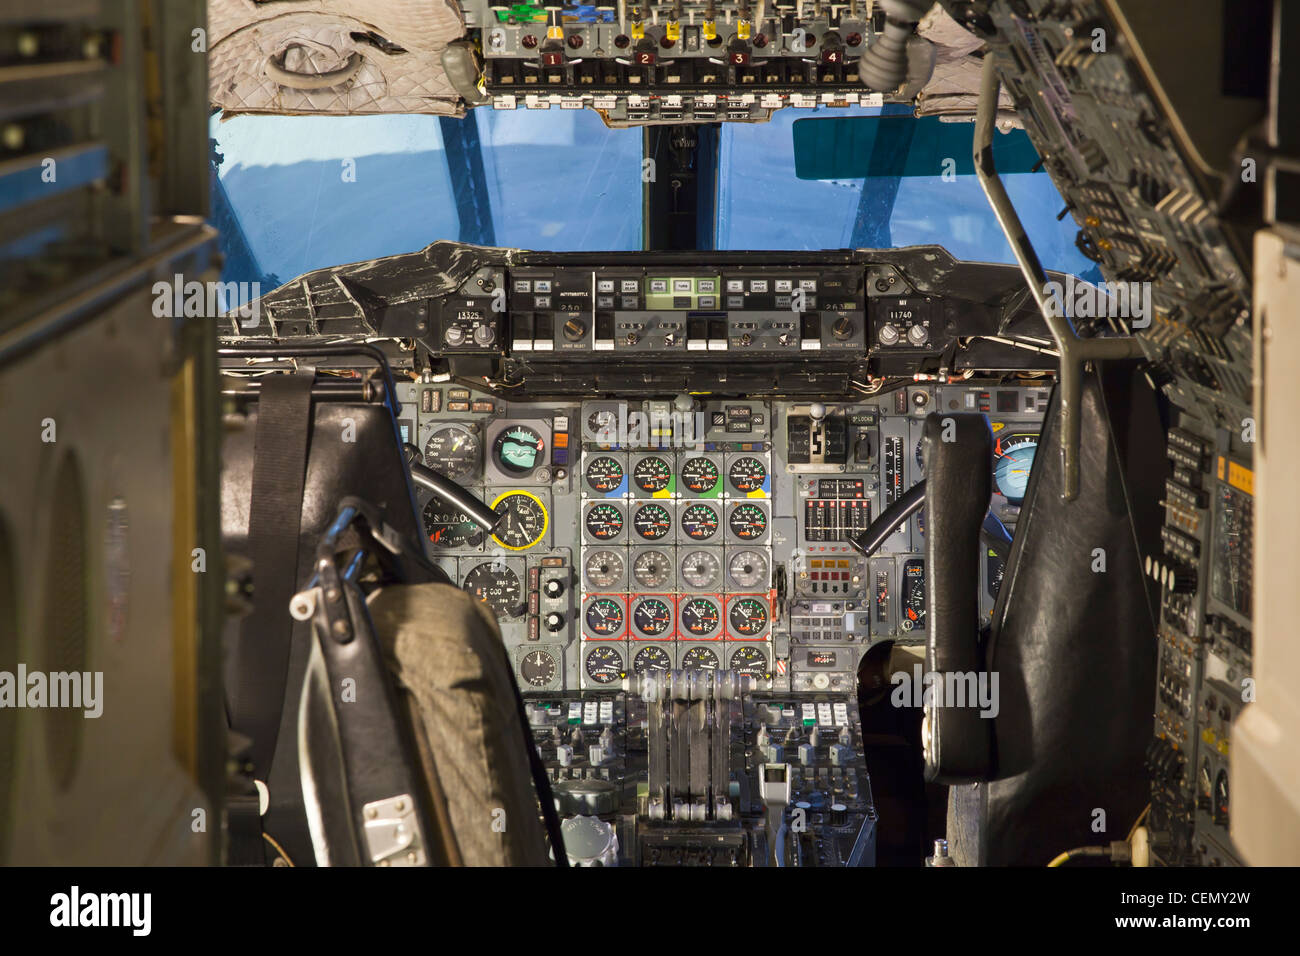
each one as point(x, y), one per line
point(696, 533)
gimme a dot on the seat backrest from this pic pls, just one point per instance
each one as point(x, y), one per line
point(352, 449)
point(1073, 640)
point(446, 651)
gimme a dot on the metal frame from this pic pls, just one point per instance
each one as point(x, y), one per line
point(1075, 352)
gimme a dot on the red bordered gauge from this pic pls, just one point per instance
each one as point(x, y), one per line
point(699, 616)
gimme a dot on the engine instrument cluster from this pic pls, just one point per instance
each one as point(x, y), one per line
point(692, 533)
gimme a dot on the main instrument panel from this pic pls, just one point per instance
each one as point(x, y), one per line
point(695, 533)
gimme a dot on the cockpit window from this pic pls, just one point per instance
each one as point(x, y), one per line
point(297, 193)
point(762, 204)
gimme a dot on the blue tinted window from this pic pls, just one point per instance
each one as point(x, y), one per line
point(560, 180)
point(762, 205)
point(298, 193)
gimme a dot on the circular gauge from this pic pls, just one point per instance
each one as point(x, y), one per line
point(748, 569)
point(700, 522)
point(604, 664)
point(497, 586)
point(453, 451)
point(604, 617)
point(1013, 457)
point(748, 616)
point(524, 522)
point(604, 521)
point(652, 522)
point(750, 661)
point(699, 616)
point(518, 450)
point(652, 474)
point(747, 474)
point(604, 569)
point(747, 522)
point(603, 424)
point(701, 570)
point(652, 616)
point(449, 528)
point(699, 475)
point(604, 474)
point(700, 659)
point(652, 570)
point(652, 659)
point(537, 668)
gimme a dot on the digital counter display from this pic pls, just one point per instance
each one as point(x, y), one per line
point(821, 658)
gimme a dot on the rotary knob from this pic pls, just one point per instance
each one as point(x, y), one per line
point(888, 335)
point(485, 335)
point(843, 327)
point(574, 330)
point(589, 841)
point(553, 588)
point(918, 335)
point(554, 621)
point(454, 335)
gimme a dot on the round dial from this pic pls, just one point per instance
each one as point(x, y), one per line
point(750, 661)
point(604, 569)
point(652, 659)
point(652, 522)
point(604, 474)
point(449, 528)
point(652, 474)
point(537, 668)
point(699, 475)
point(498, 587)
point(699, 521)
point(748, 616)
point(747, 522)
point(701, 569)
point(748, 569)
point(518, 450)
point(604, 521)
point(604, 616)
point(524, 523)
point(604, 664)
point(602, 422)
point(453, 451)
point(1013, 457)
point(652, 616)
point(700, 659)
point(747, 474)
point(699, 616)
point(652, 570)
